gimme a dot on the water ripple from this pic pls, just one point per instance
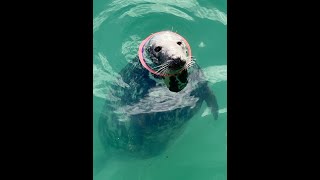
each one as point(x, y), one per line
point(141, 10)
point(129, 48)
point(142, 7)
point(215, 74)
point(103, 76)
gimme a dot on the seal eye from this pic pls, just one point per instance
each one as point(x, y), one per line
point(179, 43)
point(157, 49)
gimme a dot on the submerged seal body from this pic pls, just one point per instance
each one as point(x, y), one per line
point(151, 109)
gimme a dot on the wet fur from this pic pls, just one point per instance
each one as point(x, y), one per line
point(146, 135)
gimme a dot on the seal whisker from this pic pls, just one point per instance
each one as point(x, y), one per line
point(191, 63)
point(165, 71)
point(161, 72)
point(162, 65)
point(162, 68)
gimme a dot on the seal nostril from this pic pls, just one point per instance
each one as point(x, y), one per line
point(158, 48)
point(177, 61)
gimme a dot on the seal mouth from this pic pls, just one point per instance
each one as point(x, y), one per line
point(176, 65)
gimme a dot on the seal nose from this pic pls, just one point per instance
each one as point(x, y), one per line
point(177, 63)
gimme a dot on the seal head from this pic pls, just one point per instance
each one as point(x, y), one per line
point(168, 55)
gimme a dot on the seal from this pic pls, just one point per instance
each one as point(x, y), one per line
point(164, 88)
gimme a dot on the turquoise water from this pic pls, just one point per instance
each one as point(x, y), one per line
point(119, 27)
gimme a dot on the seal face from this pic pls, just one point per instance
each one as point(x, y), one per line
point(143, 118)
point(167, 54)
point(167, 48)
